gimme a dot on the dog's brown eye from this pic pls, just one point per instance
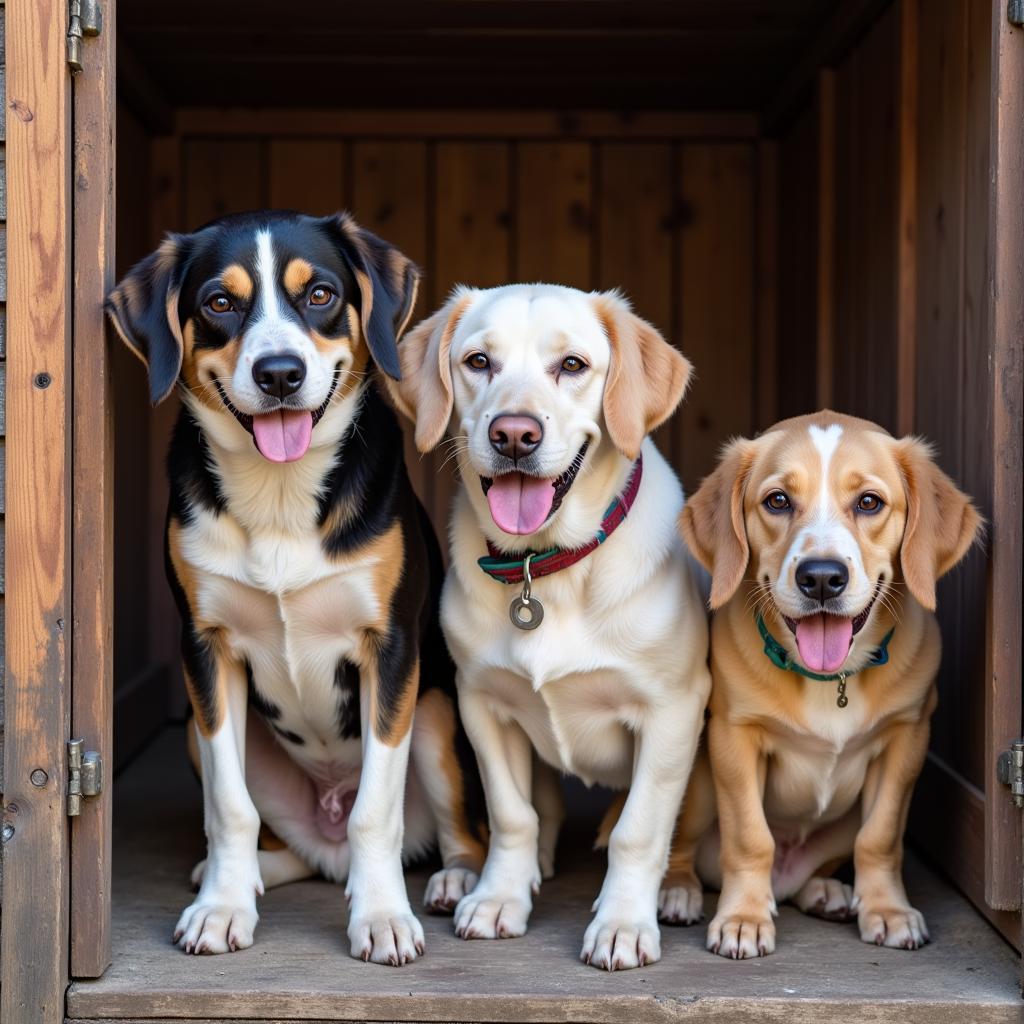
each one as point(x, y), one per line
point(870, 503)
point(478, 361)
point(777, 501)
point(573, 364)
point(320, 296)
point(219, 304)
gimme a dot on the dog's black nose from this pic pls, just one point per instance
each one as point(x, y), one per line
point(515, 435)
point(822, 578)
point(279, 376)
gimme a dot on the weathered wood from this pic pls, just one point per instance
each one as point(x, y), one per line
point(906, 226)
point(93, 491)
point(553, 213)
point(34, 942)
point(767, 284)
point(307, 175)
point(300, 968)
point(716, 296)
point(468, 124)
point(221, 177)
point(826, 282)
point(1005, 321)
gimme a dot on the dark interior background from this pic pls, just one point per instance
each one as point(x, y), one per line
point(741, 169)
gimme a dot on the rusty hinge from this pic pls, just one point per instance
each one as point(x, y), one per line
point(85, 18)
point(85, 775)
point(1010, 771)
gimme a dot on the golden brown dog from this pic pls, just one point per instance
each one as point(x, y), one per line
point(825, 538)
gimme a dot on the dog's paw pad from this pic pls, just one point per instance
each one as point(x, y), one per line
point(740, 937)
point(390, 939)
point(211, 928)
point(618, 944)
point(827, 898)
point(447, 887)
point(895, 927)
point(681, 904)
point(480, 916)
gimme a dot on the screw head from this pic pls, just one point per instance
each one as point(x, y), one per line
point(38, 777)
point(42, 380)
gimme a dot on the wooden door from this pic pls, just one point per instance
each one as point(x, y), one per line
point(56, 910)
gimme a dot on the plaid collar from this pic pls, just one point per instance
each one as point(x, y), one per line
point(509, 569)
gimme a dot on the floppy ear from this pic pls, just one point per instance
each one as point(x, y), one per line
point(424, 390)
point(388, 281)
point(646, 379)
point(144, 309)
point(713, 525)
point(942, 522)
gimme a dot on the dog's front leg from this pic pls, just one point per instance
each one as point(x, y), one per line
point(223, 916)
point(381, 925)
point(742, 926)
point(884, 913)
point(499, 907)
point(624, 932)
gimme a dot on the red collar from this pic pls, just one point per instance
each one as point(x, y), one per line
point(509, 568)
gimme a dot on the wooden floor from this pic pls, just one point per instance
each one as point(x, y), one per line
point(299, 968)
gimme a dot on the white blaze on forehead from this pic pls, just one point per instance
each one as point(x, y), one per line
point(266, 273)
point(826, 441)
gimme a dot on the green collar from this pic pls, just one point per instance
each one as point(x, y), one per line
point(779, 657)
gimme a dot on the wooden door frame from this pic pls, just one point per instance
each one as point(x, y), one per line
point(33, 958)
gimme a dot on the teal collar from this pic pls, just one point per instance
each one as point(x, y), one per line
point(779, 657)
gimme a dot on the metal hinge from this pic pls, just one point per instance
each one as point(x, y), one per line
point(85, 18)
point(85, 775)
point(1015, 12)
point(1010, 771)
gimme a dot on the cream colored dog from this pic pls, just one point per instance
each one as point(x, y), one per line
point(825, 538)
point(549, 394)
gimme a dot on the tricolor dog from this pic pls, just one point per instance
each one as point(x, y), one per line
point(570, 607)
point(306, 574)
point(825, 537)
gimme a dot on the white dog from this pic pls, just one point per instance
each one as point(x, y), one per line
point(600, 665)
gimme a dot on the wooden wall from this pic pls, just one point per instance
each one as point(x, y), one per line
point(3, 383)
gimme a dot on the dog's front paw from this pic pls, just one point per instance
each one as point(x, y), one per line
point(393, 938)
point(491, 915)
point(447, 887)
point(895, 926)
point(681, 902)
point(216, 926)
point(619, 941)
point(826, 897)
point(741, 936)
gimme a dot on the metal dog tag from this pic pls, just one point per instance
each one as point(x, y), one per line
point(526, 612)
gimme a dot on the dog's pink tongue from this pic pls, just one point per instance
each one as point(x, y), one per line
point(519, 503)
point(283, 436)
point(824, 641)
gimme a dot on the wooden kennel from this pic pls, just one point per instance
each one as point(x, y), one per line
point(820, 203)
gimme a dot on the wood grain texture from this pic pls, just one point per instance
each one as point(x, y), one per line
point(307, 175)
point(221, 177)
point(716, 294)
point(826, 283)
point(34, 944)
point(906, 226)
point(766, 278)
point(553, 213)
point(93, 491)
point(300, 968)
point(1005, 320)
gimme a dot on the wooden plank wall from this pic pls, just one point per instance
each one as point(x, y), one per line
point(670, 221)
point(3, 383)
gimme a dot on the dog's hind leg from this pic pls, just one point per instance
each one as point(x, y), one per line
point(550, 806)
point(442, 775)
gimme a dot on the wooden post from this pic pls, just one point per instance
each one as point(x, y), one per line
point(766, 385)
point(93, 489)
point(1006, 323)
point(826, 232)
point(906, 224)
point(33, 958)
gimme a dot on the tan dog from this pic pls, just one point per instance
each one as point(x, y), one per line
point(825, 538)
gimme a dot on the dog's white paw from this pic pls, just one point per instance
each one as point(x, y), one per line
point(681, 904)
point(898, 927)
point(490, 915)
point(216, 926)
point(826, 897)
point(447, 887)
point(386, 938)
point(617, 942)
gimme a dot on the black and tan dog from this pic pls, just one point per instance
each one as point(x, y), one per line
point(306, 573)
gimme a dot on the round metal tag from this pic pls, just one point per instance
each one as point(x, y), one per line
point(526, 613)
